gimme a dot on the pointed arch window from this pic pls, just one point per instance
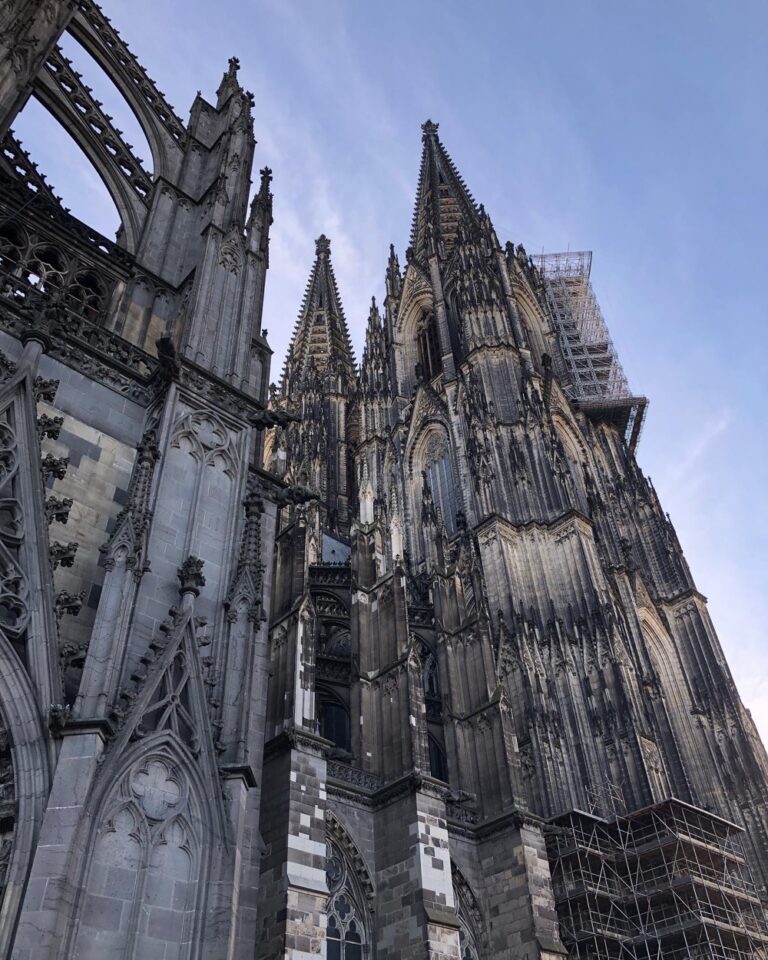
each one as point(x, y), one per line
point(430, 681)
point(439, 477)
point(467, 949)
point(429, 347)
point(438, 764)
point(346, 937)
point(469, 917)
point(333, 720)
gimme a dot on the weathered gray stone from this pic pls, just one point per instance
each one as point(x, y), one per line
point(341, 697)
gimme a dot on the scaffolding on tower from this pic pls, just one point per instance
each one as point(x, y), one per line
point(668, 882)
point(588, 367)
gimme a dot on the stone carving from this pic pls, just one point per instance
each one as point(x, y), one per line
point(284, 496)
point(49, 426)
point(8, 454)
point(263, 419)
point(63, 554)
point(191, 577)
point(7, 367)
point(14, 585)
point(158, 787)
point(55, 467)
point(6, 775)
point(57, 509)
point(247, 582)
point(69, 604)
point(230, 256)
point(7, 805)
point(206, 437)
point(132, 523)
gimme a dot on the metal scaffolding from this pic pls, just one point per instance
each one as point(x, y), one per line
point(669, 881)
point(588, 367)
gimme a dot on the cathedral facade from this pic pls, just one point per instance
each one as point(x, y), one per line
point(397, 659)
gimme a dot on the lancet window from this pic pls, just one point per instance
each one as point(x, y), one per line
point(429, 347)
point(333, 720)
point(438, 765)
point(439, 478)
point(469, 917)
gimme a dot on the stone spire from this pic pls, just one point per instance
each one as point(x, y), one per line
point(443, 202)
point(374, 375)
point(229, 83)
point(320, 343)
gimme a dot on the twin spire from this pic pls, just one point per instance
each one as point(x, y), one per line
point(320, 342)
point(444, 206)
point(444, 211)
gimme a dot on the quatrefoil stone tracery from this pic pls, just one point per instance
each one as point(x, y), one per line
point(158, 789)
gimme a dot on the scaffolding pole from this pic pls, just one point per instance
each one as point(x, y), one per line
point(586, 363)
point(664, 883)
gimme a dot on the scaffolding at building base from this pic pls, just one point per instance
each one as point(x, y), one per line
point(588, 366)
point(667, 882)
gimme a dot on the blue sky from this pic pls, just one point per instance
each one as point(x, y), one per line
point(635, 129)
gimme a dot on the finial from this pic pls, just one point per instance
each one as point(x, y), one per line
point(266, 176)
point(322, 245)
point(429, 129)
point(229, 81)
point(190, 575)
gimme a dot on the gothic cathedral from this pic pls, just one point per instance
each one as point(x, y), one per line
point(392, 660)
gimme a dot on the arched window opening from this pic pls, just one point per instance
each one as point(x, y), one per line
point(466, 947)
point(429, 347)
point(344, 941)
point(469, 917)
point(430, 680)
point(438, 764)
point(87, 295)
point(333, 719)
point(439, 478)
point(47, 268)
point(13, 246)
point(346, 932)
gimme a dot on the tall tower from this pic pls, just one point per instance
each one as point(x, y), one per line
point(516, 635)
point(386, 663)
point(317, 385)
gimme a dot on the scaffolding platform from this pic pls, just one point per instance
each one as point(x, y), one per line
point(669, 881)
point(588, 367)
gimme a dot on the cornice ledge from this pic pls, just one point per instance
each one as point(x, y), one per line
point(516, 818)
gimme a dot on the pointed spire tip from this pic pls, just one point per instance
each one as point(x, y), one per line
point(429, 129)
point(322, 245)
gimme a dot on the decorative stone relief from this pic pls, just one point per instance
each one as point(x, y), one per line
point(158, 787)
point(14, 586)
point(207, 439)
point(7, 805)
